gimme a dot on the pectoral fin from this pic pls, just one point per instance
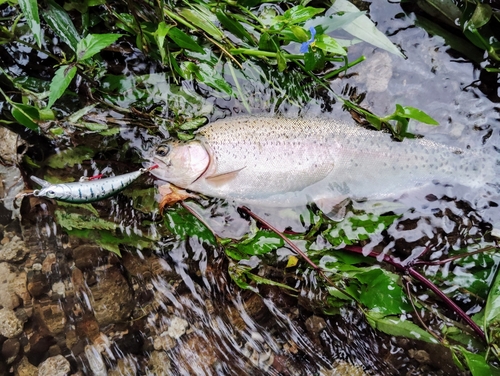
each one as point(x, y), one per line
point(41, 182)
point(226, 177)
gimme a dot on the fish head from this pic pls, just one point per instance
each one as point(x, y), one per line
point(180, 163)
point(55, 191)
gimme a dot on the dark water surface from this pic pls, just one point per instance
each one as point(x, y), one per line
point(168, 306)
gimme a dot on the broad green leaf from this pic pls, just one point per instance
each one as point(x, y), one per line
point(477, 363)
point(183, 224)
point(482, 15)
point(70, 157)
point(416, 114)
point(260, 243)
point(298, 14)
point(363, 28)
point(183, 40)
point(193, 124)
point(206, 74)
point(492, 308)
point(93, 44)
point(203, 19)
point(234, 27)
point(381, 293)
point(393, 325)
point(329, 44)
point(59, 21)
point(60, 83)
point(160, 34)
point(30, 11)
point(26, 115)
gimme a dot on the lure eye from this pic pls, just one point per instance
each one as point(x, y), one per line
point(51, 194)
point(162, 151)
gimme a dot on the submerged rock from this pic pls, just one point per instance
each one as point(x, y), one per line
point(54, 366)
point(10, 325)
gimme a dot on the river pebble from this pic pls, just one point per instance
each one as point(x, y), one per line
point(54, 366)
point(10, 325)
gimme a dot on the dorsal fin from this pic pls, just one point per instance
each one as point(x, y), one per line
point(41, 182)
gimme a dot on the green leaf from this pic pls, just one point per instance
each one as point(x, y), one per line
point(482, 15)
point(185, 225)
point(492, 308)
point(234, 27)
point(281, 61)
point(26, 115)
point(203, 19)
point(160, 34)
point(381, 293)
point(298, 14)
point(70, 221)
point(63, 77)
point(265, 281)
point(30, 11)
point(268, 42)
point(314, 59)
point(58, 19)
point(193, 124)
point(476, 362)
point(416, 114)
point(70, 157)
point(206, 74)
point(329, 44)
point(93, 44)
point(238, 275)
point(393, 325)
point(363, 28)
point(260, 243)
point(183, 40)
point(299, 33)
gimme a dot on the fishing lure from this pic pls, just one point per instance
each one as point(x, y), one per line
point(87, 189)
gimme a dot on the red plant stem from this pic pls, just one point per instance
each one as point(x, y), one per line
point(289, 242)
point(431, 286)
point(427, 283)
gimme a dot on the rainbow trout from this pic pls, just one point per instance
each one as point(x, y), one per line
point(285, 162)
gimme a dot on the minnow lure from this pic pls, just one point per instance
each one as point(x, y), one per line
point(87, 189)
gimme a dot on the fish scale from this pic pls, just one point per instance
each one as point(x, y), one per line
point(282, 162)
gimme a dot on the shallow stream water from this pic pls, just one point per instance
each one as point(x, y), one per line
point(168, 305)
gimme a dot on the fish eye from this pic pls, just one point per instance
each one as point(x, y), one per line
point(162, 151)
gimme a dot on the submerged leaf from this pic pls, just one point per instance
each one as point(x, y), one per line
point(393, 325)
point(59, 20)
point(30, 11)
point(70, 157)
point(363, 28)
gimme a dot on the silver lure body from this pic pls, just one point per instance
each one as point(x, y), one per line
point(86, 191)
point(286, 162)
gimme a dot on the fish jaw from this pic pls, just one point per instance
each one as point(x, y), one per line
point(183, 164)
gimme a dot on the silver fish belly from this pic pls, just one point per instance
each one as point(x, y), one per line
point(282, 162)
point(86, 191)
